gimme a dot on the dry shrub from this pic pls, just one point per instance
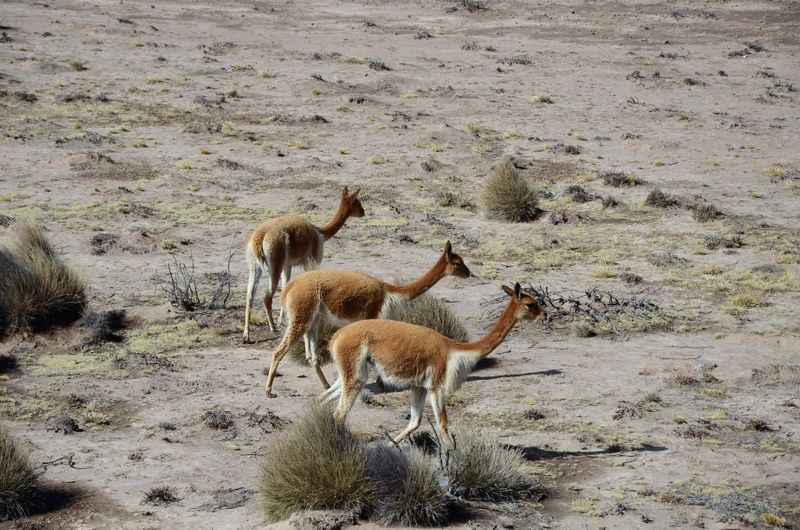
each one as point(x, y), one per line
point(683, 380)
point(160, 496)
point(19, 482)
point(431, 312)
point(714, 241)
point(659, 199)
point(218, 419)
point(629, 278)
point(705, 212)
point(619, 179)
point(102, 327)
point(318, 464)
point(756, 424)
point(180, 286)
point(298, 351)
point(8, 361)
point(484, 469)
point(583, 329)
point(408, 486)
point(507, 196)
point(37, 289)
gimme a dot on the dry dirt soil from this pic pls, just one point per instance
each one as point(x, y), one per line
point(138, 133)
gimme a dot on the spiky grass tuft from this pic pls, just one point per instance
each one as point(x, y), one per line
point(485, 469)
point(37, 289)
point(317, 464)
point(408, 486)
point(508, 197)
point(19, 482)
point(432, 312)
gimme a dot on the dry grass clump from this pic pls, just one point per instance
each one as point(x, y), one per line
point(756, 424)
point(703, 213)
point(630, 278)
point(218, 419)
point(582, 329)
point(449, 198)
point(431, 312)
point(747, 298)
point(318, 464)
point(683, 380)
point(579, 194)
point(779, 173)
point(484, 469)
point(408, 486)
point(659, 199)
point(160, 496)
point(508, 197)
point(666, 259)
point(99, 328)
point(19, 482)
point(714, 241)
point(473, 6)
point(37, 289)
point(620, 179)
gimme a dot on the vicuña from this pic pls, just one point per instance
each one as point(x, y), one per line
point(343, 297)
point(412, 356)
point(281, 243)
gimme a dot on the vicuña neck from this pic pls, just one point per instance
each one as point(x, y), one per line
point(329, 230)
point(498, 333)
point(415, 289)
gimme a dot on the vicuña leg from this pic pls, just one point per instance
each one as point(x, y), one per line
point(332, 394)
point(276, 266)
point(285, 275)
point(418, 396)
point(254, 274)
point(311, 339)
point(295, 330)
point(440, 414)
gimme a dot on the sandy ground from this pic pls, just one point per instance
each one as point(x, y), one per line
point(194, 122)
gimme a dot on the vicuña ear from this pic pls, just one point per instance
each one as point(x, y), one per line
point(344, 192)
point(517, 290)
point(448, 250)
point(355, 193)
point(509, 291)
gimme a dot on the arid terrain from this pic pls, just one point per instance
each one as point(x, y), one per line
point(145, 134)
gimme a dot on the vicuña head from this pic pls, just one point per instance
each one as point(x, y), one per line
point(352, 205)
point(281, 243)
point(405, 355)
point(344, 297)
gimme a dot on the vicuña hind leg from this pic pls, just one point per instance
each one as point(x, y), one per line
point(440, 414)
point(311, 339)
point(418, 396)
point(350, 392)
point(277, 260)
point(254, 274)
point(330, 395)
point(285, 274)
point(293, 333)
